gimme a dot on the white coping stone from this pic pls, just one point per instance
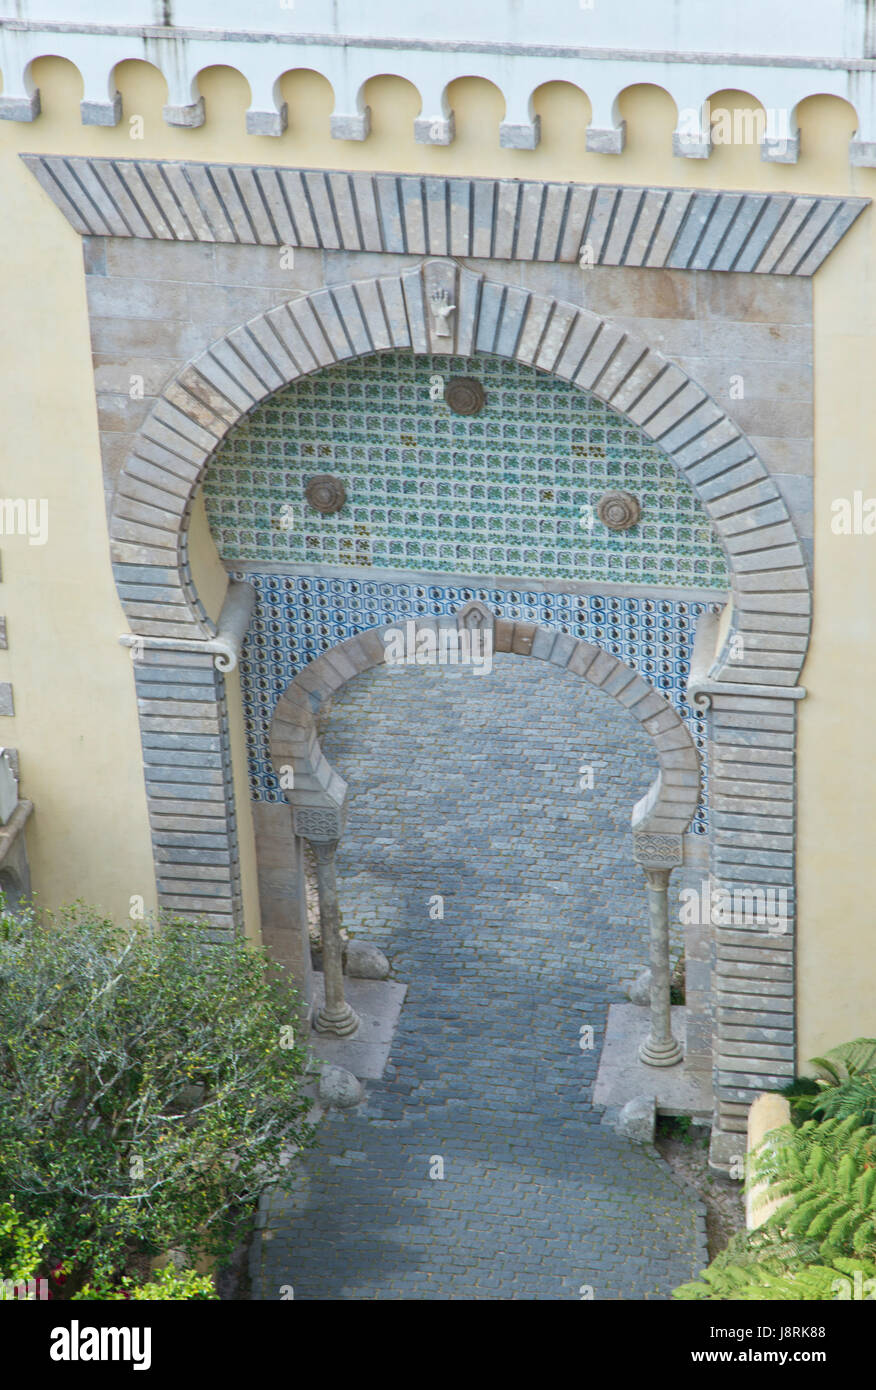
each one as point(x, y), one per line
point(190, 116)
point(522, 136)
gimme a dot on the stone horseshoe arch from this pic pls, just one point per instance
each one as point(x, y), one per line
point(318, 794)
point(215, 391)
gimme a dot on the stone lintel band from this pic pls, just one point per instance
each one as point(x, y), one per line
point(425, 215)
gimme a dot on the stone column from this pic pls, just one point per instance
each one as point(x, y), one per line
point(335, 1016)
point(660, 1048)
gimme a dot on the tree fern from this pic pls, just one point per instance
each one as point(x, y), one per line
point(855, 1096)
point(820, 1242)
point(767, 1245)
point(826, 1174)
point(844, 1084)
point(840, 1279)
point(851, 1059)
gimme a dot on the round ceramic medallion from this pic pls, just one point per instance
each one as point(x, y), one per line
point(464, 395)
point(325, 493)
point(618, 510)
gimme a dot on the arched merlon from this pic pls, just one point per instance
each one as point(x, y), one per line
point(215, 391)
point(431, 52)
point(318, 793)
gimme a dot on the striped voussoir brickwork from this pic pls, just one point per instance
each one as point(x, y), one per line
point(769, 579)
point(499, 219)
point(665, 811)
point(750, 684)
point(215, 391)
point(753, 820)
point(189, 787)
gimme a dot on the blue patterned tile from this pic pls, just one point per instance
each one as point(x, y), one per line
point(299, 616)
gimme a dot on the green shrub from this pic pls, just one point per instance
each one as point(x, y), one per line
point(820, 1242)
point(165, 1285)
point(770, 1265)
point(149, 1087)
point(801, 1095)
point(844, 1084)
point(22, 1244)
point(850, 1059)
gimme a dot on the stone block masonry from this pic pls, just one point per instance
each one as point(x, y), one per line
point(189, 788)
point(688, 265)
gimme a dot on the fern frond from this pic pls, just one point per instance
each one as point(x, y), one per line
point(855, 1096)
point(850, 1059)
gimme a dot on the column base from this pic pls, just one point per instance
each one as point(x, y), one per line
point(342, 1022)
point(665, 1054)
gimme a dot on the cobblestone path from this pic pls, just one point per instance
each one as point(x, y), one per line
point(467, 786)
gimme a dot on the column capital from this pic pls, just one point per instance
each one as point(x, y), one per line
point(657, 875)
point(324, 850)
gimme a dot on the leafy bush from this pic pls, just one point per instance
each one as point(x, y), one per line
point(801, 1094)
point(820, 1242)
point(850, 1059)
point(844, 1084)
point(22, 1244)
point(150, 1088)
point(167, 1284)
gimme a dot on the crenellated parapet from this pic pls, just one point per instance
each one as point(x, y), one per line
point(780, 55)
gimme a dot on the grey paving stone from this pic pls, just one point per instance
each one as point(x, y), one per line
point(486, 1073)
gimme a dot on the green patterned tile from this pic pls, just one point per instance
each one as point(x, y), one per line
point(426, 488)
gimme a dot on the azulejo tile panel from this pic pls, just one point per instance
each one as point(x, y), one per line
point(298, 616)
point(505, 491)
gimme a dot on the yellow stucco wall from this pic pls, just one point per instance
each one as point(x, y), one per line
point(76, 713)
point(77, 728)
point(836, 815)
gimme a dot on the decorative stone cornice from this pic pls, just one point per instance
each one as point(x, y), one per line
point(700, 692)
point(709, 656)
point(501, 219)
point(813, 48)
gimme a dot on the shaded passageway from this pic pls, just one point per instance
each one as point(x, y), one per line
point(467, 788)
